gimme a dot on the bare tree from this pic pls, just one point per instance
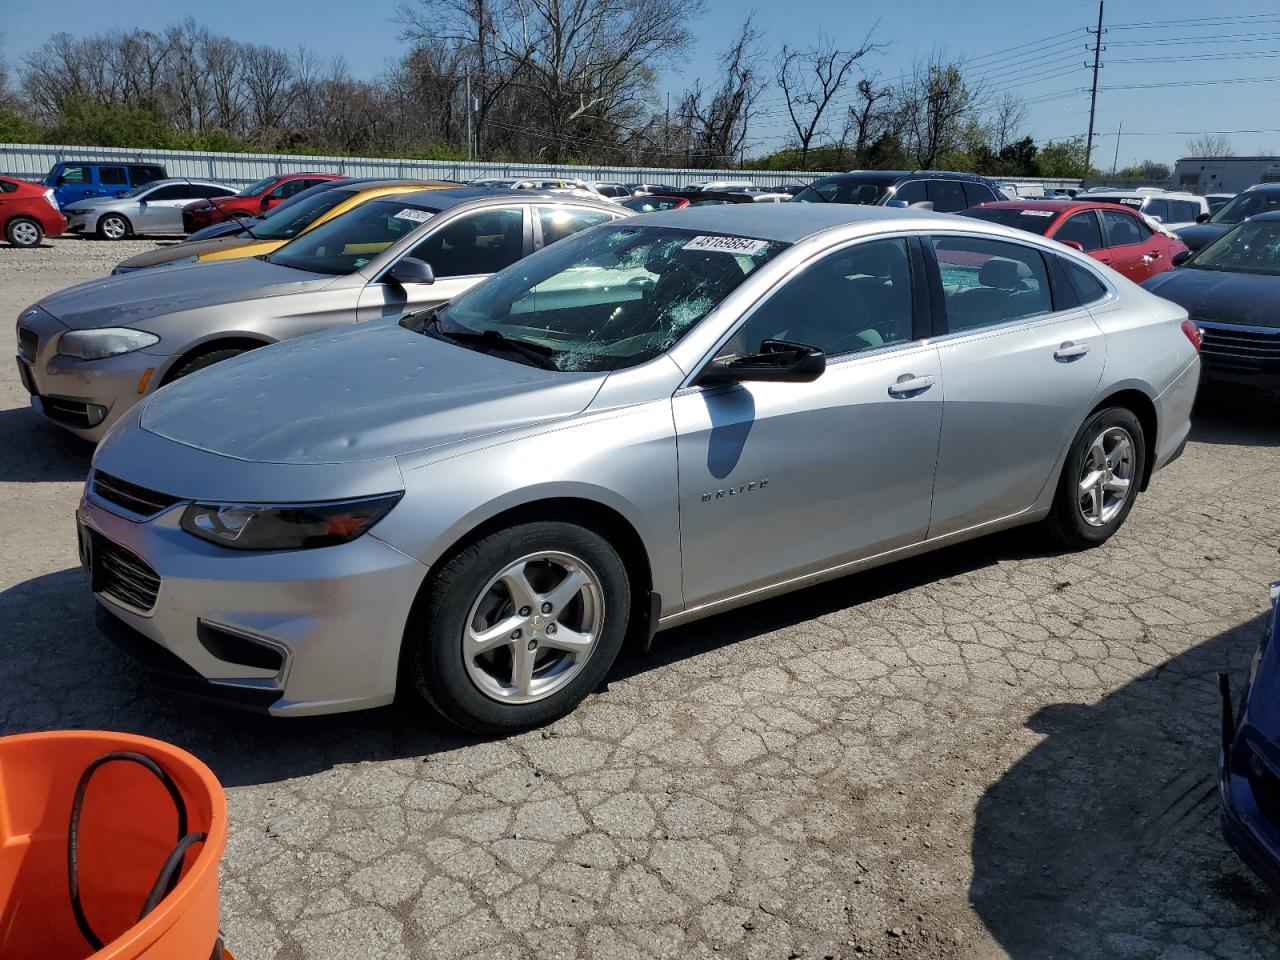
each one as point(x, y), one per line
point(935, 104)
point(1210, 145)
point(1008, 117)
point(269, 85)
point(810, 78)
point(868, 118)
point(716, 121)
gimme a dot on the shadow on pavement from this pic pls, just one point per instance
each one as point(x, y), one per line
point(35, 451)
point(1117, 794)
point(1238, 419)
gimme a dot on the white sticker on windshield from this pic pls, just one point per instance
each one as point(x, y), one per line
point(408, 213)
point(740, 245)
point(1039, 213)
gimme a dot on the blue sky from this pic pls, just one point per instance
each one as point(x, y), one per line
point(1035, 50)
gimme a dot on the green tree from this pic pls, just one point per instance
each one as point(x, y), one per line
point(1063, 158)
point(83, 122)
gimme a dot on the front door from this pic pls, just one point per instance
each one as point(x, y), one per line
point(778, 480)
point(1019, 378)
point(160, 211)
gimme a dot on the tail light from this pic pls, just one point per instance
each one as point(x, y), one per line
point(1193, 332)
point(53, 201)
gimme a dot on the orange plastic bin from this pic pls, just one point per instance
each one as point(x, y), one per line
point(128, 828)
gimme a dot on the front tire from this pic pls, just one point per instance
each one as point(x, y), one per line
point(24, 232)
point(517, 628)
point(1100, 479)
point(114, 227)
point(202, 360)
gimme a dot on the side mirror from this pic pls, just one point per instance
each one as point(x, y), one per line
point(1203, 217)
point(1181, 257)
point(411, 270)
point(1073, 244)
point(779, 361)
point(1155, 218)
point(896, 203)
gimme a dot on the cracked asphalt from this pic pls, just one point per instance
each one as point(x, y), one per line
point(994, 751)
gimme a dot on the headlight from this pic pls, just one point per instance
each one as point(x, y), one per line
point(80, 211)
point(107, 342)
point(244, 526)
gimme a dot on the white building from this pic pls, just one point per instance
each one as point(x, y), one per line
point(1224, 174)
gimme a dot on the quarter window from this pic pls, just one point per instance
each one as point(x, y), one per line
point(986, 282)
point(1123, 228)
point(476, 243)
point(560, 222)
point(1083, 229)
point(976, 193)
point(855, 299)
point(1088, 287)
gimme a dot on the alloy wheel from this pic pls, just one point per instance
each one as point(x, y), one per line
point(113, 228)
point(1106, 477)
point(533, 627)
point(25, 234)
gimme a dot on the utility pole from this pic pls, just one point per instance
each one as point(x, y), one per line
point(1093, 97)
point(1115, 161)
point(471, 154)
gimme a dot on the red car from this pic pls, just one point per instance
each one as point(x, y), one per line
point(252, 201)
point(29, 212)
point(1121, 238)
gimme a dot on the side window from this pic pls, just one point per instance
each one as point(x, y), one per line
point(855, 299)
point(1181, 211)
point(1123, 229)
point(947, 196)
point(1088, 286)
point(113, 177)
point(145, 174)
point(1083, 229)
point(76, 173)
point(985, 282)
point(475, 243)
point(8, 186)
point(559, 222)
point(1157, 208)
point(175, 191)
point(205, 190)
point(976, 193)
point(911, 192)
point(308, 184)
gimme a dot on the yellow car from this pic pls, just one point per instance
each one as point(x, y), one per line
point(280, 227)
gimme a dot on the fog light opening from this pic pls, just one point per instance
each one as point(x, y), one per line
point(94, 413)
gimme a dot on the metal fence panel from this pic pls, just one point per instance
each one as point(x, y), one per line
point(33, 161)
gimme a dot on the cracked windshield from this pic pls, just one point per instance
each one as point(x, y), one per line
point(603, 300)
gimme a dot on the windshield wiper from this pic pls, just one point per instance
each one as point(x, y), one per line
point(535, 353)
point(240, 218)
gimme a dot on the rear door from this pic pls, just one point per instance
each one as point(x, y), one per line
point(1129, 241)
point(1021, 361)
point(462, 251)
point(113, 180)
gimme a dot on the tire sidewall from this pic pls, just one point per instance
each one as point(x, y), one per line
point(18, 221)
point(433, 639)
point(1067, 506)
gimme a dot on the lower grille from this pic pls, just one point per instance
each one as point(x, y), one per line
point(73, 413)
point(130, 496)
point(124, 576)
point(28, 344)
point(1255, 345)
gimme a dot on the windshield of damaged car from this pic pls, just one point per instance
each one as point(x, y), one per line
point(608, 298)
point(347, 242)
point(1252, 247)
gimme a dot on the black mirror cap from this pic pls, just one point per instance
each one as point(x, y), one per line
point(1181, 257)
point(1203, 218)
point(411, 270)
point(779, 361)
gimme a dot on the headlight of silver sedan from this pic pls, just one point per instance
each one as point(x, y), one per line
point(107, 342)
point(299, 526)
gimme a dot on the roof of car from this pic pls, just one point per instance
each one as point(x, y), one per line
point(1056, 204)
point(359, 186)
point(443, 199)
point(784, 222)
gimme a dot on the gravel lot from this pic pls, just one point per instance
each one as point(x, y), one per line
point(994, 751)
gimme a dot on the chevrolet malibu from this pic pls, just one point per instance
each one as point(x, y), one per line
point(646, 423)
point(90, 352)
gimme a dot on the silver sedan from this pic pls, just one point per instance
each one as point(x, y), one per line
point(644, 424)
point(154, 207)
point(88, 353)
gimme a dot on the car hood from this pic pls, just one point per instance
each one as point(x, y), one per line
point(1202, 234)
point(135, 298)
point(359, 393)
point(181, 251)
point(1221, 297)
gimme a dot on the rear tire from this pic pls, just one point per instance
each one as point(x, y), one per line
point(477, 687)
point(1099, 482)
point(202, 360)
point(114, 227)
point(24, 232)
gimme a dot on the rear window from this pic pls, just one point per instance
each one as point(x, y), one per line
point(1033, 221)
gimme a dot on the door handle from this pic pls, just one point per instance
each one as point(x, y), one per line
point(909, 384)
point(1070, 351)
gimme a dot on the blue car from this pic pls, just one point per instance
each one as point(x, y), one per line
point(81, 179)
point(1249, 769)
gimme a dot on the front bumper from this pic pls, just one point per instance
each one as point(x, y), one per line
point(1240, 354)
point(309, 631)
point(82, 222)
point(83, 396)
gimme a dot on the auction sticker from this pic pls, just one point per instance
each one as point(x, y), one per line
point(740, 245)
point(408, 213)
point(1039, 213)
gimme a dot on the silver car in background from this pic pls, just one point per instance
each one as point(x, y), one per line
point(90, 352)
point(154, 207)
point(652, 421)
